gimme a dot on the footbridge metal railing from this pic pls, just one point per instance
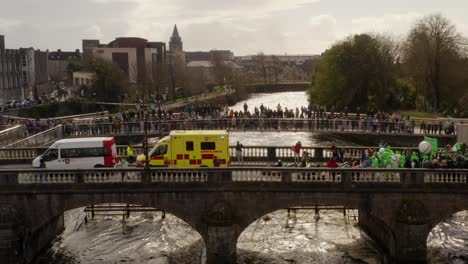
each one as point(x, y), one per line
point(250, 153)
point(153, 126)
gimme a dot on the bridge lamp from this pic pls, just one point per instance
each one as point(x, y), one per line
point(139, 105)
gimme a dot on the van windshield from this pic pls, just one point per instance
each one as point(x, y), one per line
point(160, 150)
point(50, 154)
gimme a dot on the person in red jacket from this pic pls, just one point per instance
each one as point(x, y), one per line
point(332, 163)
point(297, 152)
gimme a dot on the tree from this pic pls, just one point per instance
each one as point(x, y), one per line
point(219, 68)
point(432, 50)
point(357, 72)
point(277, 67)
point(110, 81)
point(176, 73)
point(260, 65)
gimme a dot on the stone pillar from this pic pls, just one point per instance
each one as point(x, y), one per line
point(271, 153)
point(221, 242)
point(411, 230)
point(221, 234)
point(318, 156)
point(59, 131)
point(10, 244)
point(404, 239)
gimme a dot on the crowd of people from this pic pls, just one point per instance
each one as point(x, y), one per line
point(450, 157)
point(216, 116)
point(32, 126)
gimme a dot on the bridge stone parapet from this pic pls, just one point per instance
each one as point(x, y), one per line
point(397, 208)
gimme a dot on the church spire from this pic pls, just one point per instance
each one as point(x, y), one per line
point(175, 32)
point(175, 43)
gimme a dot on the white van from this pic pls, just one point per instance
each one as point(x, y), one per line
point(79, 153)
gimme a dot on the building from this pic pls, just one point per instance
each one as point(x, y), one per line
point(135, 56)
point(88, 46)
point(288, 59)
point(176, 55)
point(175, 43)
point(224, 55)
point(2, 42)
point(58, 62)
point(160, 49)
point(206, 72)
point(11, 82)
point(83, 78)
point(34, 72)
point(24, 73)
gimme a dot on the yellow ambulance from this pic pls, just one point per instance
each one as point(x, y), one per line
point(190, 148)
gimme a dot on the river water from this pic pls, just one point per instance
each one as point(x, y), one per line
point(300, 238)
point(288, 100)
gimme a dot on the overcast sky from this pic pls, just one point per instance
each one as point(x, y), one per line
point(244, 26)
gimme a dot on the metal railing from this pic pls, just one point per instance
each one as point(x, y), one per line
point(39, 139)
point(250, 124)
point(342, 178)
point(12, 134)
point(250, 153)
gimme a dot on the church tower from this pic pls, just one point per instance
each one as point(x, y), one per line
point(175, 44)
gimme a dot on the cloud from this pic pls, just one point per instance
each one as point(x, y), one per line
point(394, 23)
point(8, 24)
point(154, 19)
point(93, 32)
point(322, 20)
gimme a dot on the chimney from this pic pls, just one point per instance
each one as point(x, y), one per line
point(2, 42)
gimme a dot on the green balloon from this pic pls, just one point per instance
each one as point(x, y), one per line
point(375, 162)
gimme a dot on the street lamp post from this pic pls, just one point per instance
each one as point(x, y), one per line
point(139, 105)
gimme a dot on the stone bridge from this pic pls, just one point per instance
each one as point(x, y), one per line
point(397, 208)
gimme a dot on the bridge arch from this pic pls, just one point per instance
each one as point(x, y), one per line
point(270, 207)
point(140, 236)
point(44, 217)
point(168, 203)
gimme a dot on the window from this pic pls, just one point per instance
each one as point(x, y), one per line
point(84, 152)
point(50, 155)
point(189, 146)
point(208, 146)
point(161, 150)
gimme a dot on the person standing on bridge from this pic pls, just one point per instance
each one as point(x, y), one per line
point(130, 154)
point(239, 148)
point(297, 152)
